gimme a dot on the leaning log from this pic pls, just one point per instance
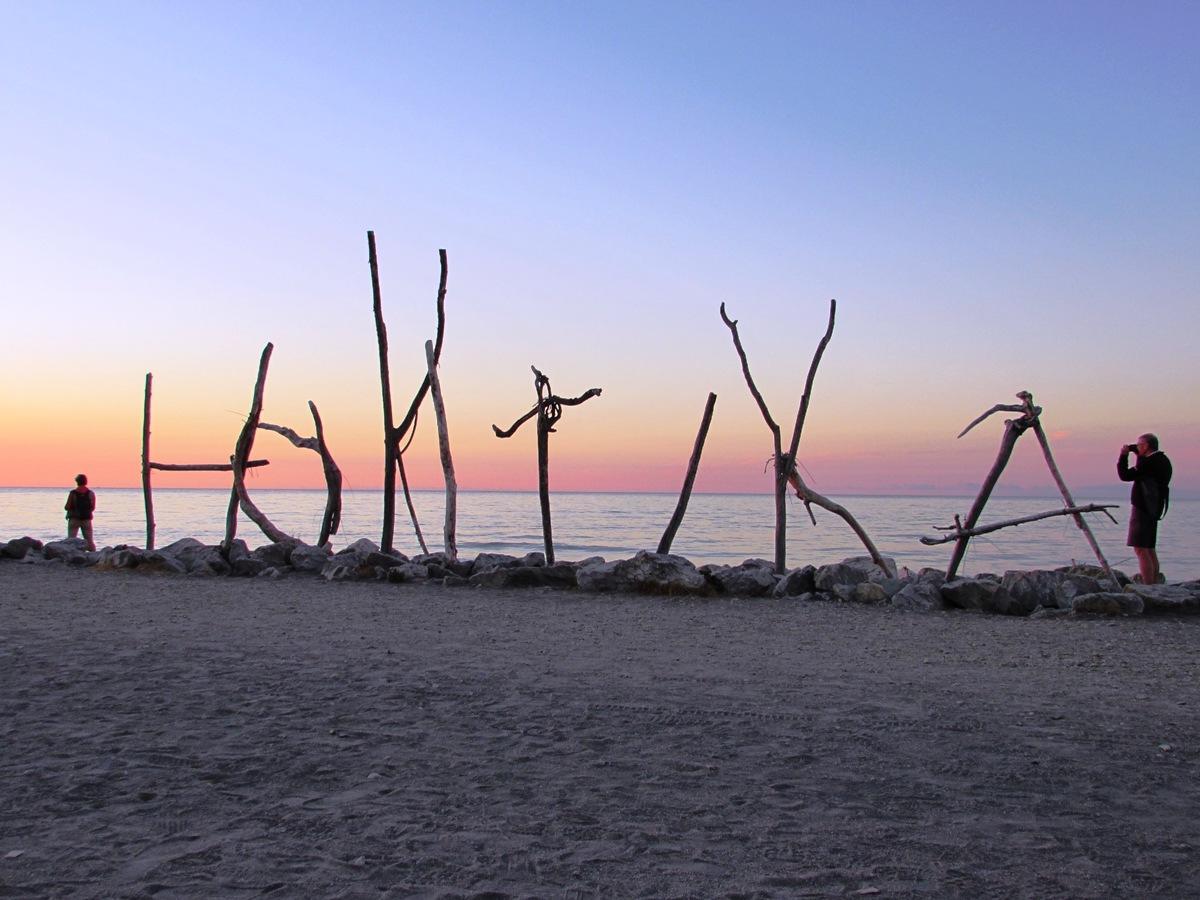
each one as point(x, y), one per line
point(1080, 523)
point(664, 545)
point(245, 441)
point(439, 408)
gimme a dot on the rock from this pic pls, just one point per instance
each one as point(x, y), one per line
point(646, 573)
point(1108, 604)
point(304, 558)
point(18, 547)
point(485, 562)
point(868, 592)
point(274, 572)
point(560, 575)
point(1029, 590)
point(870, 568)
point(406, 572)
point(931, 576)
point(248, 567)
point(1049, 612)
point(796, 582)
point(919, 596)
point(361, 547)
point(238, 550)
point(274, 555)
point(1073, 585)
point(753, 578)
point(982, 594)
point(196, 558)
point(356, 572)
point(153, 561)
point(536, 558)
point(832, 574)
point(1094, 572)
point(122, 557)
point(1167, 598)
point(71, 551)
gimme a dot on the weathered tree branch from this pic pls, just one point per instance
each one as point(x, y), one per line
point(252, 512)
point(439, 409)
point(731, 324)
point(664, 545)
point(147, 496)
point(331, 520)
point(548, 410)
point(957, 530)
point(809, 496)
point(385, 382)
point(241, 450)
point(206, 467)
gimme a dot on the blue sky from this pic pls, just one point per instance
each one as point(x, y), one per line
point(1001, 196)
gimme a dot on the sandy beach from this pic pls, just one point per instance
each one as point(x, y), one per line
point(192, 737)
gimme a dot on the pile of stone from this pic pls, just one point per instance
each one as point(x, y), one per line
point(1065, 591)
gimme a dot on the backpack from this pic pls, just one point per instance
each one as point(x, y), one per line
point(80, 506)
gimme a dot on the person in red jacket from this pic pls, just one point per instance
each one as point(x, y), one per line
point(1151, 477)
point(80, 507)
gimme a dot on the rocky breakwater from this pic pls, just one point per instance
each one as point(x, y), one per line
point(1072, 590)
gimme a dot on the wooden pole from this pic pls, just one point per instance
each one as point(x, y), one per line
point(439, 408)
point(389, 441)
point(543, 451)
point(1066, 495)
point(664, 546)
point(147, 496)
point(245, 442)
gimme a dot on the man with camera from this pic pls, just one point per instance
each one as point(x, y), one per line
point(1151, 477)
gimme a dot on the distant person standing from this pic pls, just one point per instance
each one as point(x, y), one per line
point(1151, 477)
point(80, 506)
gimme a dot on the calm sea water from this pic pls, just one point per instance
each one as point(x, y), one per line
point(719, 528)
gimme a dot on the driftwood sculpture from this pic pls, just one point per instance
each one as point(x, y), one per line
point(785, 462)
point(394, 435)
point(548, 410)
point(332, 519)
point(1029, 418)
point(241, 453)
point(685, 494)
point(148, 465)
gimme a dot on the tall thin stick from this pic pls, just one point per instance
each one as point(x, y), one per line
point(385, 382)
point(664, 546)
point(439, 408)
point(146, 493)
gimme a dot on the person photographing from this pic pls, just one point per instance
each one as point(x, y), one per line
point(1150, 496)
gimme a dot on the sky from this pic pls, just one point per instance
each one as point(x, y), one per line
point(1000, 197)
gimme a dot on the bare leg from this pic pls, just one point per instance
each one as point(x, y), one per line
point(1147, 564)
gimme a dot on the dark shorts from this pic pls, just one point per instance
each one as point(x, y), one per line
point(1143, 529)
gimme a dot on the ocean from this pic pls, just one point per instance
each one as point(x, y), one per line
point(718, 528)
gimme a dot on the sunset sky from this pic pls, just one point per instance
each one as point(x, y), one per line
point(1001, 196)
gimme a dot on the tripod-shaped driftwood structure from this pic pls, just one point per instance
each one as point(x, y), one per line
point(548, 410)
point(394, 435)
point(1029, 418)
point(785, 462)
